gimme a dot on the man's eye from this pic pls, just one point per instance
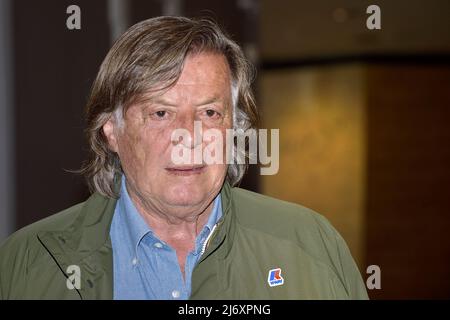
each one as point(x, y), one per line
point(160, 114)
point(212, 113)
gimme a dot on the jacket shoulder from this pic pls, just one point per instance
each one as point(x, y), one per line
point(311, 232)
point(21, 249)
point(281, 218)
point(57, 221)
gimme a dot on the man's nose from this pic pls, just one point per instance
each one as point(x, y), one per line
point(194, 128)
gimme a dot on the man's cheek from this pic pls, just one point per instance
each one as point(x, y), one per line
point(132, 153)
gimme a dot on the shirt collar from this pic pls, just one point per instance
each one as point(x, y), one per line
point(135, 224)
point(138, 228)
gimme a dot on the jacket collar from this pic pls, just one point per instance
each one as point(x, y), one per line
point(86, 242)
point(223, 238)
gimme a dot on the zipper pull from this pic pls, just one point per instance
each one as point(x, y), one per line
point(205, 244)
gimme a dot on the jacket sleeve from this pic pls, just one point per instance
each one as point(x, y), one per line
point(5, 270)
point(341, 260)
point(13, 254)
point(350, 273)
point(2, 272)
point(1, 295)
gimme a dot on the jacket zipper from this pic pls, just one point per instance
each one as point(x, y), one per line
point(205, 244)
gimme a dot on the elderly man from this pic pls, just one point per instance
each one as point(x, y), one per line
point(157, 229)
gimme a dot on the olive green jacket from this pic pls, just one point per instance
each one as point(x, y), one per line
point(255, 235)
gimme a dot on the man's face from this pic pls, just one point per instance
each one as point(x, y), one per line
point(144, 145)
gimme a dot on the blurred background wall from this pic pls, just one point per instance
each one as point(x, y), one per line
point(363, 116)
point(364, 133)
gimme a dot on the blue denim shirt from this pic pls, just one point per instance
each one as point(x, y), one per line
point(146, 267)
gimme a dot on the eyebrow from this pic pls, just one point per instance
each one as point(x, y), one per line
point(164, 102)
point(208, 101)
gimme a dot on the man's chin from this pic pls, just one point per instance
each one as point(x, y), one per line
point(184, 195)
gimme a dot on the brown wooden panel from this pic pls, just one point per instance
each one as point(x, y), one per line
point(408, 208)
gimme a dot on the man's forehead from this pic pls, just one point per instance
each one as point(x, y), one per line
point(196, 92)
point(205, 78)
point(196, 101)
point(176, 95)
point(205, 68)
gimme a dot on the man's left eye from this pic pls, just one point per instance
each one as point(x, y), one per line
point(212, 113)
point(161, 114)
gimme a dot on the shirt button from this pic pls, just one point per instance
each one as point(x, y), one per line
point(158, 245)
point(175, 294)
point(135, 261)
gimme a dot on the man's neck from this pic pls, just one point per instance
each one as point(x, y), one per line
point(172, 226)
point(177, 229)
point(179, 234)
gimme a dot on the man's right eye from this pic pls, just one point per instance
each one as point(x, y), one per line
point(160, 114)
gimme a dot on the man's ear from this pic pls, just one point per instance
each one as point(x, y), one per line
point(110, 134)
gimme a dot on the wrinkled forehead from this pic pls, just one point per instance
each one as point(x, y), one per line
point(205, 68)
point(204, 77)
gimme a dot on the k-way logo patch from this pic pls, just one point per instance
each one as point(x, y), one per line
point(275, 279)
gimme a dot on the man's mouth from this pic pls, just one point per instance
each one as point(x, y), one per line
point(186, 170)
